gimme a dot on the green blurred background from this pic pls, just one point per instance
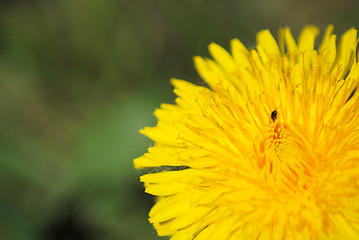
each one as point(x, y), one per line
point(78, 79)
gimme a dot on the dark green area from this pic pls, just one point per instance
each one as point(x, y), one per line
point(78, 79)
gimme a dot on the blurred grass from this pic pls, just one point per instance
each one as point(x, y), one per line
point(78, 79)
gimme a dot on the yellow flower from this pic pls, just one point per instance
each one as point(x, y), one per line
point(269, 151)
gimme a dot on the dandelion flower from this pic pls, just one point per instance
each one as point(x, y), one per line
point(270, 150)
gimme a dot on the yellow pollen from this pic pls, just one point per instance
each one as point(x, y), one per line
point(279, 155)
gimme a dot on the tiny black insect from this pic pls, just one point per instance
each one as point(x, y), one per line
point(274, 115)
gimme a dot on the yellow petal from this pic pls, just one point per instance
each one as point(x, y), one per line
point(240, 53)
point(222, 57)
point(266, 41)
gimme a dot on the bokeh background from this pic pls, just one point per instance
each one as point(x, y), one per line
point(79, 78)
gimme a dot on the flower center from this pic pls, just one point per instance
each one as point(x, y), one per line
point(282, 158)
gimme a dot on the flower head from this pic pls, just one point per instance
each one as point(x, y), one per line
point(269, 151)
